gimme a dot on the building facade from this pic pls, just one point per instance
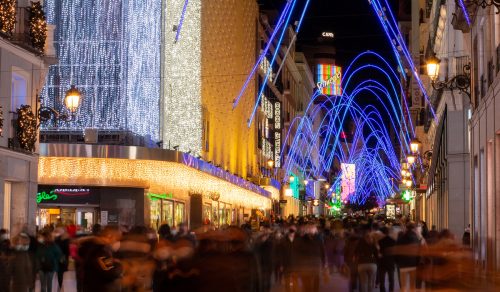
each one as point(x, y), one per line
point(484, 38)
point(24, 65)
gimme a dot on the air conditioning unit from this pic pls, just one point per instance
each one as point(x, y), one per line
point(90, 136)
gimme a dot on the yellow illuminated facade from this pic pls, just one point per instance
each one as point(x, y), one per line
point(228, 55)
point(154, 176)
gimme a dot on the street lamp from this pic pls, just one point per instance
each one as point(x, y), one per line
point(306, 182)
point(410, 159)
point(460, 81)
point(409, 183)
point(327, 186)
point(72, 101)
point(292, 178)
point(270, 163)
point(414, 146)
point(433, 67)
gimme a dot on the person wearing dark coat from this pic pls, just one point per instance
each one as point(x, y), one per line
point(23, 277)
point(101, 271)
point(5, 262)
point(48, 259)
point(408, 263)
point(387, 260)
point(264, 251)
point(309, 258)
point(287, 257)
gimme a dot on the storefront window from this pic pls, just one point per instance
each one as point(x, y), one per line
point(168, 212)
point(155, 213)
point(179, 213)
point(207, 214)
point(215, 210)
point(222, 217)
point(227, 216)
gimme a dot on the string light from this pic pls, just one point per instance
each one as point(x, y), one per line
point(7, 16)
point(108, 51)
point(37, 26)
point(156, 176)
point(26, 128)
point(182, 109)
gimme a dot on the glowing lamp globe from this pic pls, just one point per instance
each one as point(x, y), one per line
point(72, 99)
point(410, 159)
point(306, 182)
point(433, 67)
point(292, 178)
point(414, 146)
point(270, 163)
point(409, 183)
point(327, 186)
point(403, 172)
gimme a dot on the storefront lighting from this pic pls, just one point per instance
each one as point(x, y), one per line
point(288, 192)
point(155, 176)
point(327, 186)
point(403, 172)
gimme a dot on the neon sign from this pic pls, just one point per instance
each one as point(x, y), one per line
point(71, 192)
point(328, 79)
point(348, 179)
point(328, 34)
point(277, 134)
point(154, 197)
point(43, 196)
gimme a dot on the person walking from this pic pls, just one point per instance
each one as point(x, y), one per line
point(387, 261)
point(407, 260)
point(48, 258)
point(366, 254)
point(23, 278)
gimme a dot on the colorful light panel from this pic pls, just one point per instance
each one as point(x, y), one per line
point(348, 179)
point(328, 79)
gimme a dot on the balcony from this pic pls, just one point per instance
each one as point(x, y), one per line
point(461, 21)
point(28, 33)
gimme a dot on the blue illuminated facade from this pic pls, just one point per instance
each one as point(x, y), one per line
point(110, 50)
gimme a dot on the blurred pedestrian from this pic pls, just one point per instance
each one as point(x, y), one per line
point(366, 258)
point(101, 271)
point(23, 278)
point(48, 260)
point(387, 260)
point(408, 243)
point(5, 261)
point(61, 238)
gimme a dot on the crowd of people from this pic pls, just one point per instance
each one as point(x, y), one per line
point(295, 254)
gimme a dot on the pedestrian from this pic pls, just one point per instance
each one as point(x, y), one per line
point(466, 237)
point(366, 255)
point(48, 260)
point(387, 261)
point(334, 249)
point(101, 271)
point(407, 260)
point(63, 242)
point(5, 261)
point(287, 258)
point(23, 278)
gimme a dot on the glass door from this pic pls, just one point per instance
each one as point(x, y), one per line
point(167, 212)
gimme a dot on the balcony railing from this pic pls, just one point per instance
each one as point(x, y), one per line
point(21, 34)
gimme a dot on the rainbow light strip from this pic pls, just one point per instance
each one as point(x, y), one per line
point(326, 72)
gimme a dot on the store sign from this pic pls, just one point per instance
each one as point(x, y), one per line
point(67, 195)
point(265, 65)
point(327, 34)
point(154, 197)
point(348, 179)
point(329, 79)
point(43, 196)
point(277, 134)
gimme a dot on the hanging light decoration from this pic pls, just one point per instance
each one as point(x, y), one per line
point(7, 16)
point(37, 26)
point(26, 128)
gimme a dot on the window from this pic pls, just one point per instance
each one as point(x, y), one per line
point(19, 89)
point(179, 213)
point(167, 212)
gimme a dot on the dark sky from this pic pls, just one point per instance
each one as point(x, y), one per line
point(353, 22)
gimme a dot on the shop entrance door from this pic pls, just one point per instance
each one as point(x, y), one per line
point(85, 218)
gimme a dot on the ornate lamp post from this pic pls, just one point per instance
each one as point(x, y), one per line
point(72, 100)
point(460, 81)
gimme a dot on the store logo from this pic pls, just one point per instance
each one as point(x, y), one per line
point(331, 81)
point(43, 196)
point(72, 192)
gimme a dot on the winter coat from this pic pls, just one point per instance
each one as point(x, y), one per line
point(48, 257)
point(408, 240)
point(101, 271)
point(387, 245)
point(23, 277)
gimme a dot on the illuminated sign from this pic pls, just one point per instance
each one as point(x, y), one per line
point(43, 196)
point(406, 194)
point(155, 197)
point(348, 179)
point(328, 79)
point(327, 34)
point(265, 65)
point(267, 107)
point(72, 192)
point(277, 134)
point(390, 211)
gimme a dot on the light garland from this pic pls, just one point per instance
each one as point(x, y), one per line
point(156, 176)
point(182, 108)
point(37, 26)
point(111, 52)
point(26, 128)
point(7, 16)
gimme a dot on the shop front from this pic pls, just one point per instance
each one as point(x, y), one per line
point(85, 206)
point(170, 187)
